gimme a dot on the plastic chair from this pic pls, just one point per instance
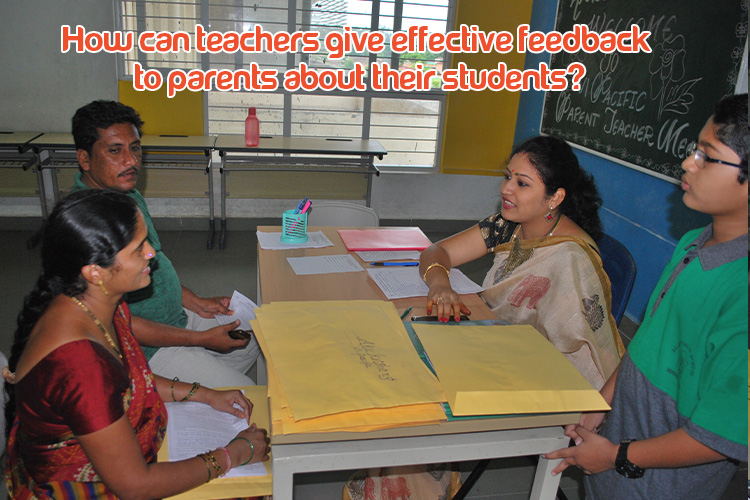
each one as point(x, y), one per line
point(339, 213)
point(620, 267)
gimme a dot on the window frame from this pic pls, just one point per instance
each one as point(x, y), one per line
point(434, 95)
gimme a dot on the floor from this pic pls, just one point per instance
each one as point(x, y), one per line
point(219, 272)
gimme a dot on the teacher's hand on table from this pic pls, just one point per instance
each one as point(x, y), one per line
point(231, 401)
point(446, 302)
point(594, 454)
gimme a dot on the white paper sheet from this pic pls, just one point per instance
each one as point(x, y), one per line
point(383, 255)
point(244, 310)
point(193, 428)
point(272, 241)
point(402, 282)
point(324, 264)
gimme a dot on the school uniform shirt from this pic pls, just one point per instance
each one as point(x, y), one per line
point(686, 368)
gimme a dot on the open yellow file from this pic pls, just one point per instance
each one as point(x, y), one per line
point(497, 370)
point(343, 365)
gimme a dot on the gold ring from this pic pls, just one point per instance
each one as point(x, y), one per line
point(438, 300)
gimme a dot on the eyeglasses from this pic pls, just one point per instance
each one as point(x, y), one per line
point(701, 158)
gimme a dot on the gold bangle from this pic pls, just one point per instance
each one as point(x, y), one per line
point(435, 264)
point(208, 467)
point(217, 467)
point(193, 390)
point(171, 389)
point(252, 449)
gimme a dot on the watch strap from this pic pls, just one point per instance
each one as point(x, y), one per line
point(624, 466)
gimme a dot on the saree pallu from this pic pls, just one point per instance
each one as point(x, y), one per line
point(563, 292)
point(59, 466)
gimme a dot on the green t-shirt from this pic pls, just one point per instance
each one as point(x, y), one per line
point(161, 300)
point(692, 346)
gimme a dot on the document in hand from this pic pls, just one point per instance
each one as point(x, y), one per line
point(402, 238)
point(496, 370)
point(336, 357)
point(193, 428)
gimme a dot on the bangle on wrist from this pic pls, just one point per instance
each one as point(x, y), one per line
point(229, 459)
point(252, 449)
point(203, 457)
point(433, 265)
point(193, 390)
point(171, 389)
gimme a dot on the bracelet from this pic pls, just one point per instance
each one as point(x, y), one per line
point(171, 389)
point(435, 264)
point(193, 390)
point(205, 461)
point(229, 459)
point(252, 449)
point(214, 463)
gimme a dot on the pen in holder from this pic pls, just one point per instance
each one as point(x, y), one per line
point(294, 229)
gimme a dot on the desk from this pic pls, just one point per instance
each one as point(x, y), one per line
point(311, 154)
point(457, 440)
point(159, 152)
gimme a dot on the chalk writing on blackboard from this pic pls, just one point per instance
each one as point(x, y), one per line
point(644, 109)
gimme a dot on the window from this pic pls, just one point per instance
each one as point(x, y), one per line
point(408, 124)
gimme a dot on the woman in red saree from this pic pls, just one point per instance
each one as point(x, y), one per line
point(87, 413)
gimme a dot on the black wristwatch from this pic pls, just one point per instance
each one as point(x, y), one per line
point(624, 466)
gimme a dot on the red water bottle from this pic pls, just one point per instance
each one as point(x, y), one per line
point(252, 128)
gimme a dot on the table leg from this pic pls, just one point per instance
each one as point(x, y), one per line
point(545, 484)
point(223, 235)
point(211, 233)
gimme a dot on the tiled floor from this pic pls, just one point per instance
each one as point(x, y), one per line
point(219, 272)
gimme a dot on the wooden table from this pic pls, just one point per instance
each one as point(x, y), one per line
point(457, 440)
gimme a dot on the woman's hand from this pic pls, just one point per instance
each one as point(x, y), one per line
point(240, 450)
point(227, 401)
point(446, 302)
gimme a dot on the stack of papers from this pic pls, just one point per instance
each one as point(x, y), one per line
point(343, 366)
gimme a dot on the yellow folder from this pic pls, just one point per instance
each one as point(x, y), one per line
point(496, 370)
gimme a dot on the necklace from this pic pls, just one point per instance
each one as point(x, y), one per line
point(518, 255)
point(99, 324)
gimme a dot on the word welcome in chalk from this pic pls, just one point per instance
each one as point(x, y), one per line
point(338, 44)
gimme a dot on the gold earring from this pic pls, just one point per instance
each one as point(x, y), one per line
point(101, 284)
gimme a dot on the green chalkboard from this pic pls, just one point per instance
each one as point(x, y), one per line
point(643, 109)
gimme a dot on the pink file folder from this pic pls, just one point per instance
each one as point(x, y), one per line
point(407, 238)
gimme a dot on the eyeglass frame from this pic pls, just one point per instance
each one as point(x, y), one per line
point(697, 154)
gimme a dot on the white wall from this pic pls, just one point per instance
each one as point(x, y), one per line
point(40, 87)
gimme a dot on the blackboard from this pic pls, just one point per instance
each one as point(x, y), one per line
point(643, 109)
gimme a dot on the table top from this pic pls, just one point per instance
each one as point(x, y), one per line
point(278, 281)
point(17, 139)
point(301, 145)
point(54, 140)
point(178, 142)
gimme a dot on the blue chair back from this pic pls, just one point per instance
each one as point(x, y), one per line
point(620, 267)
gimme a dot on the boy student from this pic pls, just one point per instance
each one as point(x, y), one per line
point(107, 135)
point(678, 424)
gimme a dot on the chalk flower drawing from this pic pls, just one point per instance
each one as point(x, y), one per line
point(667, 68)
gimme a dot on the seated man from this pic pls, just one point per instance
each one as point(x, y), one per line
point(107, 136)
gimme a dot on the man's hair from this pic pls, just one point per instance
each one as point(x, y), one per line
point(101, 115)
point(730, 117)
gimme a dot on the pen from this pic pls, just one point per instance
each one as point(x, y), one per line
point(388, 264)
point(408, 310)
point(300, 205)
point(306, 207)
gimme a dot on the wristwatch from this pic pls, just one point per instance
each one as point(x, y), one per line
point(624, 466)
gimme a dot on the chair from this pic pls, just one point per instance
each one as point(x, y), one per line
point(620, 267)
point(339, 213)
